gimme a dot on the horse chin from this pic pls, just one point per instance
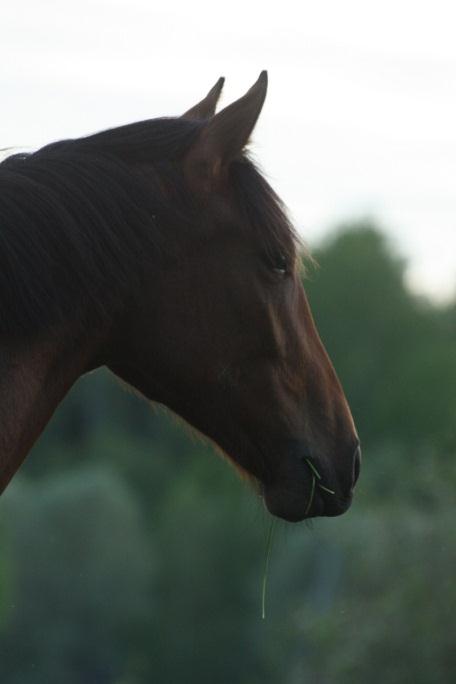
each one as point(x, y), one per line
point(290, 505)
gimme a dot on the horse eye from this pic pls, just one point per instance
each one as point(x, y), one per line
point(280, 265)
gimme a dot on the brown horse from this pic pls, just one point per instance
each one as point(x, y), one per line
point(158, 250)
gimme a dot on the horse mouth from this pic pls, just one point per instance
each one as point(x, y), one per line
point(296, 504)
point(297, 496)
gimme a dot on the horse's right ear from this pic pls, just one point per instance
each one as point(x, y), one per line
point(206, 108)
point(225, 135)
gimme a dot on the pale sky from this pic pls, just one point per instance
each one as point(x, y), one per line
point(360, 115)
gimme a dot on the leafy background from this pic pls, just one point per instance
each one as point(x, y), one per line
point(130, 553)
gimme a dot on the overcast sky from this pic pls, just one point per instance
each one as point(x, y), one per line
point(360, 115)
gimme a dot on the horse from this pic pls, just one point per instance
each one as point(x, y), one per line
point(158, 250)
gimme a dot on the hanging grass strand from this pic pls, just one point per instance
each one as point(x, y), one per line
point(315, 476)
point(312, 492)
point(266, 569)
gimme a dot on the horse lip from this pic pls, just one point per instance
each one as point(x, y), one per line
point(339, 506)
point(290, 505)
point(293, 506)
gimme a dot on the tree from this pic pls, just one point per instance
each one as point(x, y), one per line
point(390, 348)
point(82, 579)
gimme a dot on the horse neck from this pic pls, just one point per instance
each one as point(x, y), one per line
point(34, 378)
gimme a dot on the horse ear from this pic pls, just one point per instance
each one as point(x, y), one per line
point(206, 108)
point(227, 133)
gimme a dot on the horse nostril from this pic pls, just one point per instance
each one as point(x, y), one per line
point(356, 464)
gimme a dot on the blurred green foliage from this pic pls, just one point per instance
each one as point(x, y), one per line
point(130, 553)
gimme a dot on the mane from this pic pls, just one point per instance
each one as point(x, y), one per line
point(78, 219)
point(264, 211)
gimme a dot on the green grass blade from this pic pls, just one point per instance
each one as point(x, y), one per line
point(312, 492)
point(313, 469)
point(266, 569)
point(326, 489)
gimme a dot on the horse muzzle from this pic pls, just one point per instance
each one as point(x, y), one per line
point(308, 490)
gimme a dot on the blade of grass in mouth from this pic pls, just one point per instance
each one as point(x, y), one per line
point(313, 469)
point(326, 489)
point(312, 492)
point(266, 568)
point(315, 475)
point(318, 476)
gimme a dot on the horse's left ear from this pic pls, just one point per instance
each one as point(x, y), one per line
point(206, 108)
point(225, 135)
